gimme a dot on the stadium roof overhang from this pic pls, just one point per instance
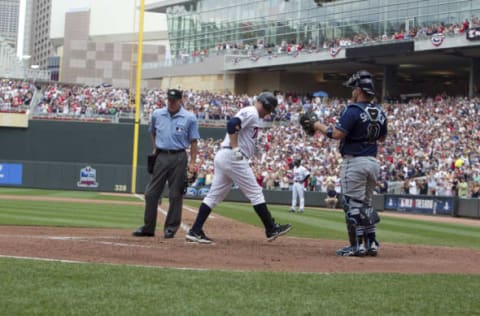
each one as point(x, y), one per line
point(417, 65)
point(453, 60)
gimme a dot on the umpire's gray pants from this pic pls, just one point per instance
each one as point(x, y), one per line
point(171, 168)
point(358, 178)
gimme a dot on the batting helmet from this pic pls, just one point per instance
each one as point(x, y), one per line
point(268, 100)
point(297, 162)
point(363, 80)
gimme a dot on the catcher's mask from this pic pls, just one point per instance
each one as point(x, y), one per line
point(363, 80)
point(297, 162)
point(268, 100)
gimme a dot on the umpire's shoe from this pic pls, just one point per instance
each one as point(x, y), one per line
point(200, 237)
point(277, 231)
point(140, 233)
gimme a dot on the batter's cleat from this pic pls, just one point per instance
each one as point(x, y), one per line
point(140, 233)
point(351, 251)
point(300, 211)
point(277, 231)
point(291, 210)
point(373, 249)
point(200, 237)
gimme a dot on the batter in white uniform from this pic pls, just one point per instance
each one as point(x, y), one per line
point(300, 175)
point(232, 166)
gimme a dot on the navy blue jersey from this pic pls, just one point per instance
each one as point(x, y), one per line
point(364, 124)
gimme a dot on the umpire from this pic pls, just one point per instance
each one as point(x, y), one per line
point(173, 129)
point(360, 126)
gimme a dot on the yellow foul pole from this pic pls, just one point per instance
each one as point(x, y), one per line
point(138, 84)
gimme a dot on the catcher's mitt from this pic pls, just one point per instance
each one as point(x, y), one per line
point(307, 121)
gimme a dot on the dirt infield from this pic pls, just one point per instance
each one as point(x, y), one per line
point(237, 247)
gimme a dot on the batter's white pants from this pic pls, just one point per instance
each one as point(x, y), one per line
point(227, 172)
point(298, 191)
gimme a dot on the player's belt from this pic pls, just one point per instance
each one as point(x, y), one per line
point(230, 147)
point(170, 151)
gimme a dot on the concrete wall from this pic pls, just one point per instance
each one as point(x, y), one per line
point(217, 83)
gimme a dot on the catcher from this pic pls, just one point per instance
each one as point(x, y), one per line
point(361, 125)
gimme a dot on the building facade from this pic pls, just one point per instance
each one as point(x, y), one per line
point(9, 14)
point(93, 62)
point(40, 44)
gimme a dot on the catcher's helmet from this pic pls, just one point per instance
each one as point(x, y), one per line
point(363, 80)
point(268, 100)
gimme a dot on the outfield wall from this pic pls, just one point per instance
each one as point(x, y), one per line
point(98, 157)
point(76, 155)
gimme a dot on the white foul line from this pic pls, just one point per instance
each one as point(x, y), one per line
point(185, 227)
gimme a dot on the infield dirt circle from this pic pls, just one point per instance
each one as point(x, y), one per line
point(237, 247)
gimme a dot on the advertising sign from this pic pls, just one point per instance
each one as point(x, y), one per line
point(88, 178)
point(420, 204)
point(11, 174)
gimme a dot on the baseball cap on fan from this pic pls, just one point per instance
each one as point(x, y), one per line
point(174, 94)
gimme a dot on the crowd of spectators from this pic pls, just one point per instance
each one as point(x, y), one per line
point(15, 95)
point(433, 144)
point(86, 101)
point(432, 148)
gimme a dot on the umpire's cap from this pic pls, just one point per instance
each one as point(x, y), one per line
point(363, 80)
point(268, 100)
point(174, 94)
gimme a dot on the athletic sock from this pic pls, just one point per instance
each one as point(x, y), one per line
point(264, 214)
point(203, 212)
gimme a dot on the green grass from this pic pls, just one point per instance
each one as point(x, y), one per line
point(69, 214)
point(54, 288)
point(66, 194)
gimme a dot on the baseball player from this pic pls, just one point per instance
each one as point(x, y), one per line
point(300, 175)
point(361, 125)
point(232, 167)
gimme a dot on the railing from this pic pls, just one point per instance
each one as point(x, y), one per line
point(76, 117)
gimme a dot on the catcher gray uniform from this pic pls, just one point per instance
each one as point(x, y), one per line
point(360, 126)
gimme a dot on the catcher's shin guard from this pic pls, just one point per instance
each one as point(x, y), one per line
point(355, 232)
